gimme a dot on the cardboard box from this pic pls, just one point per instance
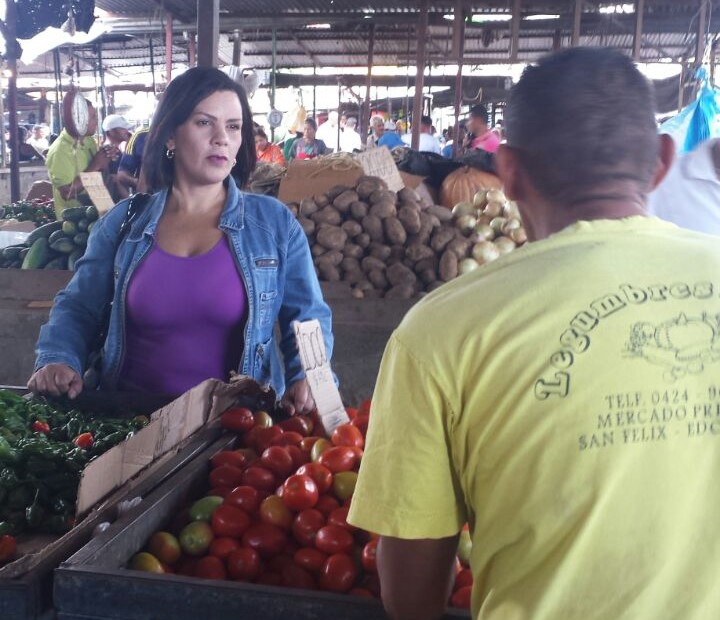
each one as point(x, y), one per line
point(411, 180)
point(306, 178)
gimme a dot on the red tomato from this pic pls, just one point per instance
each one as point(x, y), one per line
point(223, 547)
point(220, 491)
point(244, 497)
point(310, 559)
point(263, 419)
point(307, 443)
point(264, 437)
point(269, 578)
point(339, 517)
point(243, 564)
point(237, 419)
point(334, 539)
point(326, 504)
point(226, 476)
point(294, 576)
point(288, 438)
point(461, 598)
point(300, 424)
point(268, 540)
point(306, 525)
point(186, 566)
point(364, 592)
point(347, 435)
point(278, 460)
point(260, 478)
point(298, 456)
point(274, 511)
point(230, 521)
point(319, 473)
point(351, 412)
point(361, 422)
point(40, 426)
point(279, 562)
point(8, 548)
point(300, 492)
point(210, 567)
point(229, 457)
point(338, 458)
point(338, 573)
point(368, 559)
point(364, 408)
point(462, 579)
point(84, 441)
point(372, 583)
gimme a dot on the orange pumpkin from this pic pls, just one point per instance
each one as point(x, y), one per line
point(462, 184)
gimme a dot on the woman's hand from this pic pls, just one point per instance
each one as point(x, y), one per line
point(297, 399)
point(56, 380)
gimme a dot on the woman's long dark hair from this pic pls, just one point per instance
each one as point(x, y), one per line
point(177, 104)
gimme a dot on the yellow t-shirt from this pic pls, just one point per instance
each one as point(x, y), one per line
point(565, 401)
point(65, 159)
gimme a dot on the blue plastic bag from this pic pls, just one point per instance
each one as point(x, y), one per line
point(696, 122)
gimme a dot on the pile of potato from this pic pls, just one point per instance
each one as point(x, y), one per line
point(387, 244)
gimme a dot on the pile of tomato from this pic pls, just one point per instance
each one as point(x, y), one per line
point(276, 512)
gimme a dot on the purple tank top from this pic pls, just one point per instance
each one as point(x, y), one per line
point(185, 321)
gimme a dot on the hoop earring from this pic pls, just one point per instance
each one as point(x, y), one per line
point(234, 162)
point(170, 153)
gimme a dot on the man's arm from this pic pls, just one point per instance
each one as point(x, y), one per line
point(416, 576)
point(99, 162)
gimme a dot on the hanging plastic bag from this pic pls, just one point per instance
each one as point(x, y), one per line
point(696, 122)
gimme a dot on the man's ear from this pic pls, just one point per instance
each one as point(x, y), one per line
point(665, 158)
point(509, 171)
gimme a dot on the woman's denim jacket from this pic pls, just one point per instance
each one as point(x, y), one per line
point(273, 258)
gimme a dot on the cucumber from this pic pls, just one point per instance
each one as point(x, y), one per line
point(80, 239)
point(73, 214)
point(38, 254)
point(59, 262)
point(43, 231)
point(17, 264)
point(73, 258)
point(70, 228)
point(91, 225)
point(11, 252)
point(58, 234)
point(83, 224)
point(91, 213)
point(23, 253)
point(64, 245)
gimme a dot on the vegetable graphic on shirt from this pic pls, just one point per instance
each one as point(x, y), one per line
point(684, 345)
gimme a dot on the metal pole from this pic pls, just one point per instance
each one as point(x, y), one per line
point(11, 54)
point(57, 117)
point(208, 26)
point(577, 16)
point(237, 48)
point(365, 117)
point(637, 37)
point(273, 79)
point(314, 88)
point(152, 67)
point(515, 31)
point(459, 48)
point(419, 74)
point(681, 91)
point(192, 51)
point(407, 84)
point(701, 33)
point(168, 46)
point(3, 142)
point(713, 49)
point(107, 108)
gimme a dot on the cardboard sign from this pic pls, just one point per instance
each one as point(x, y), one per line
point(313, 357)
point(306, 178)
point(99, 194)
point(379, 163)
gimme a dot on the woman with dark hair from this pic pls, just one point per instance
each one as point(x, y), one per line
point(204, 272)
point(267, 151)
point(308, 147)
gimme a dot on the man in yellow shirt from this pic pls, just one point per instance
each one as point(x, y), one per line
point(68, 157)
point(564, 400)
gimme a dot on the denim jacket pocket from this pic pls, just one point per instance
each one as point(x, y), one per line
point(265, 310)
point(263, 357)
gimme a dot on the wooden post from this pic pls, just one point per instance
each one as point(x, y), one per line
point(11, 55)
point(515, 30)
point(459, 48)
point(168, 46)
point(577, 17)
point(637, 36)
point(192, 50)
point(420, 73)
point(208, 28)
point(365, 116)
point(152, 66)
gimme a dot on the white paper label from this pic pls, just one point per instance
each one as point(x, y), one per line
point(380, 163)
point(313, 357)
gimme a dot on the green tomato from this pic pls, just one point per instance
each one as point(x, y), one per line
point(195, 538)
point(203, 509)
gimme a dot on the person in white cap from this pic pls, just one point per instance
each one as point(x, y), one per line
point(117, 133)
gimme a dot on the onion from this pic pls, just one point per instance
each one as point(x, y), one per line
point(497, 224)
point(510, 225)
point(467, 265)
point(484, 252)
point(511, 210)
point(479, 199)
point(466, 223)
point(496, 195)
point(504, 245)
point(463, 208)
point(493, 209)
point(484, 232)
point(518, 235)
